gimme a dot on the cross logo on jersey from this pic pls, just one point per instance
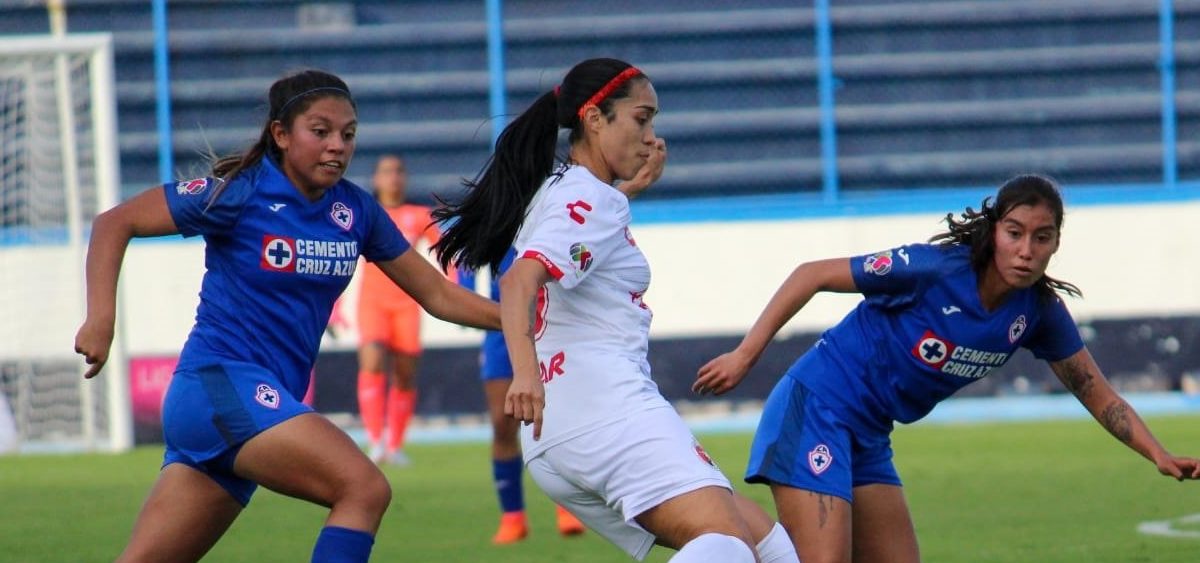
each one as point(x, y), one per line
point(342, 215)
point(192, 187)
point(278, 254)
point(1016, 329)
point(576, 215)
point(933, 350)
point(819, 459)
point(266, 396)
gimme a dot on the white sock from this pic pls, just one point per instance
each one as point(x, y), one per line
point(776, 547)
point(714, 548)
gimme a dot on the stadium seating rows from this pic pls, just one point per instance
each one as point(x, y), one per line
point(930, 94)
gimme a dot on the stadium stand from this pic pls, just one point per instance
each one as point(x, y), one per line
point(930, 94)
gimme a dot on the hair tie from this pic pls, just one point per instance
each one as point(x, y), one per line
point(558, 91)
point(608, 89)
point(285, 105)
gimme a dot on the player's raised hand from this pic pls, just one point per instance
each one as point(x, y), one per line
point(721, 374)
point(93, 342)
point(525, 400)
point(1179, 467)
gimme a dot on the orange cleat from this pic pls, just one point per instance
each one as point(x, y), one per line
point(513, 528)
point(568, 524)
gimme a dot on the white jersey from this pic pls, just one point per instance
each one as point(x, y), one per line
point(592, 326)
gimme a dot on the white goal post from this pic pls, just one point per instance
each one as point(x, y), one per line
point(58, 170)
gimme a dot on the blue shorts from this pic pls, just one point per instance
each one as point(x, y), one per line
point(493, 358)
point(802, 442)
point(211, 411)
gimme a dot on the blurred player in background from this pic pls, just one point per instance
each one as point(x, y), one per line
point(612, 450)
point(496, 372)
point(935, 318)
point(283, 233)
point(389, 325)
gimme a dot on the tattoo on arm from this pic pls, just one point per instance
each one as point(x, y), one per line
point(1115, 419)
point(1078, 379)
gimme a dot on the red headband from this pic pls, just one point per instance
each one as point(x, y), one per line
point(604, 92)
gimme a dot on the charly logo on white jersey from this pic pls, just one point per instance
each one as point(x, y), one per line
point(1016, 329)
point(342, 215)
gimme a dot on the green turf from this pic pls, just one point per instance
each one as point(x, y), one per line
point(1046, 492)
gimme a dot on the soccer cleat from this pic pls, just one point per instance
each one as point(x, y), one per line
point(513, 528)
point(568, 524)
point(399, 459)
point(377, 454)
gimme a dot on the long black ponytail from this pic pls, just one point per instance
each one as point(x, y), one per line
point(479, 229)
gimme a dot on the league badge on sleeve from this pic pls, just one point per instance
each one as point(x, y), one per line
point(342, 215)
point(879, 263)
point(581, 257)
point(192, 187)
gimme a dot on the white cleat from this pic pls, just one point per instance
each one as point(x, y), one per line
point(377, 454)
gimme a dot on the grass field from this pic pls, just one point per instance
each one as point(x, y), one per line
point(1045, 492)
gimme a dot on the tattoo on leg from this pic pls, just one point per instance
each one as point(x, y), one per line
point(1079, 381)
point(823, 509)
point(1115, 419)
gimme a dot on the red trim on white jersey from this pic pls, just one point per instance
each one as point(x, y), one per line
point(550, 267)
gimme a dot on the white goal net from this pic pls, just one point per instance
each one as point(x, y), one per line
point(58, 170)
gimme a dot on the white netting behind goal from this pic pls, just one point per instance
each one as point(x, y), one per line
point(58, 170)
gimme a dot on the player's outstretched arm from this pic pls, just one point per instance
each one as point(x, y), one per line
point(724, 372)
point(443, 298)
point(146, 215)
point(519, 287)
point(1082, 376)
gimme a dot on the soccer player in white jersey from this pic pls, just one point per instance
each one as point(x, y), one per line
point(600, 439)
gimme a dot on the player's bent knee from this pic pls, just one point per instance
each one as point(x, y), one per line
point(714, 547)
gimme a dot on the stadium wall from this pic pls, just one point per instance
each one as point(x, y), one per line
point(1135, 263)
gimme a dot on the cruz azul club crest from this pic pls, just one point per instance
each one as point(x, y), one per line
point(1016, 329)
point(819, 459)
point(342, 215)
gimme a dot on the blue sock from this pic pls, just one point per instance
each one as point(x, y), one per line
point(507, 474)
point(342, 545)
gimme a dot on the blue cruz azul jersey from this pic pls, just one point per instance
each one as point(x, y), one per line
point(275, 263)
point(921, 333)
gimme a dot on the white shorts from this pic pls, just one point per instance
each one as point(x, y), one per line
point(610, 475)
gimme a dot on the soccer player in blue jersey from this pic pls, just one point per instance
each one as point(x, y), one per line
point(935, 318)
point(283, 232)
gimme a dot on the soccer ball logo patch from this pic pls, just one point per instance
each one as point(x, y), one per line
point(819, 459)
point(703, 455)
point(266, 396)
point(581, 257)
